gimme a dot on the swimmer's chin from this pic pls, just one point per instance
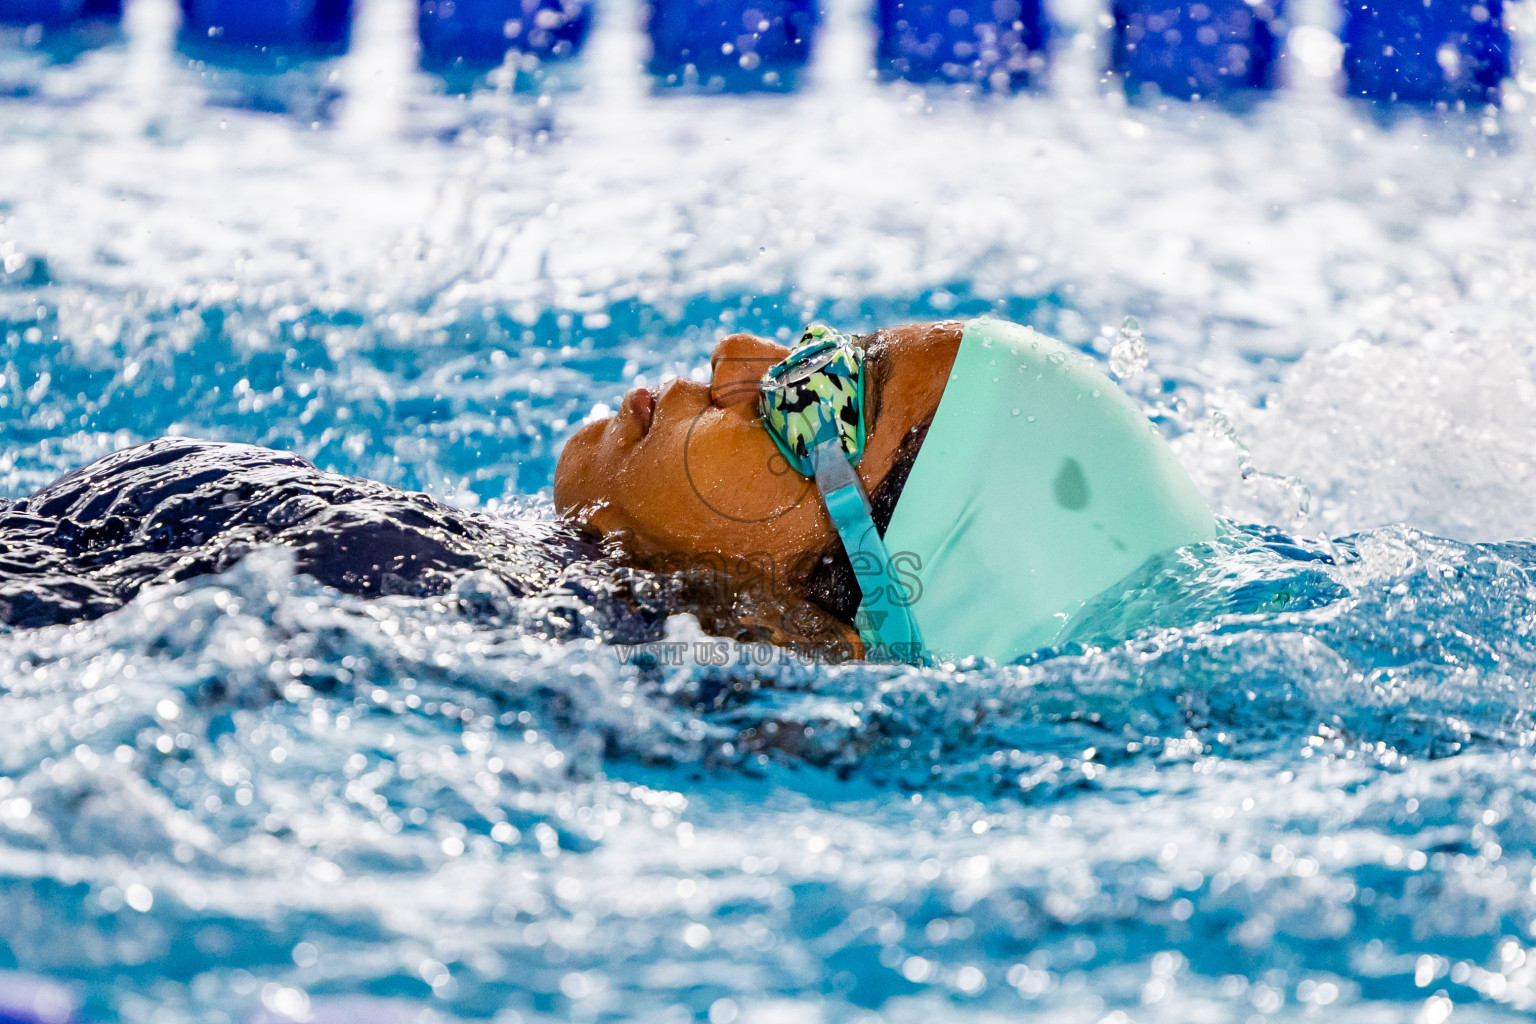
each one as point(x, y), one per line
point(572, 495)
point(591, 432)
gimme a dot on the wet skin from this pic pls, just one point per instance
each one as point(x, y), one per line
point(690, 472)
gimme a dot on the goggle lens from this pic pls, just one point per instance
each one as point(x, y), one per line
point(816, 395)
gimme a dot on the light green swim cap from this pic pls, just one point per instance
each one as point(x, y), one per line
point(1038, 486)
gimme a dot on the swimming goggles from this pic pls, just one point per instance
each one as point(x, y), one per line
point(813, 406)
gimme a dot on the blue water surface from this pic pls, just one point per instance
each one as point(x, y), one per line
point(1303, 791)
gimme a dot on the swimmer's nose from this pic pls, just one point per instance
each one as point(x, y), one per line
point(736, 366)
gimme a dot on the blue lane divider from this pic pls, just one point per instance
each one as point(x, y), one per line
point(997, 43)
point(478, 34)
point(1423, 51)
point(731, 45)
point(1192, 50)
point(57, 12)
point(300, 27)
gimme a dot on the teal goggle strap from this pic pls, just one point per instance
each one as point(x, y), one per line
point(884, 620)
point(813, 407)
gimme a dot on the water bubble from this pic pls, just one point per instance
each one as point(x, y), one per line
point(970, 980)
point(139, 897)
point(286, 1003)
point(1436, 1010)
point(1129, 355)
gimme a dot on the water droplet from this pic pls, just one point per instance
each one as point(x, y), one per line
point(1129, 355)
point(139, 897)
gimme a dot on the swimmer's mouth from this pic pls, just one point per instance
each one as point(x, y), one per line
point(641, 403)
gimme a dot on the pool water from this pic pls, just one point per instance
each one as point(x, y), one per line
point(1304, 791)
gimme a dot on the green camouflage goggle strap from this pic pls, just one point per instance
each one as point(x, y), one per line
point(815, 395)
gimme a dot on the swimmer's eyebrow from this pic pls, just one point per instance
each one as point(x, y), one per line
point(876, 365)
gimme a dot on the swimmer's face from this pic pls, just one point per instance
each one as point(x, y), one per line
point(691, 471)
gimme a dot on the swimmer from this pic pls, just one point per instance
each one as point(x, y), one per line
point(941, 490)
point(924, 493)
